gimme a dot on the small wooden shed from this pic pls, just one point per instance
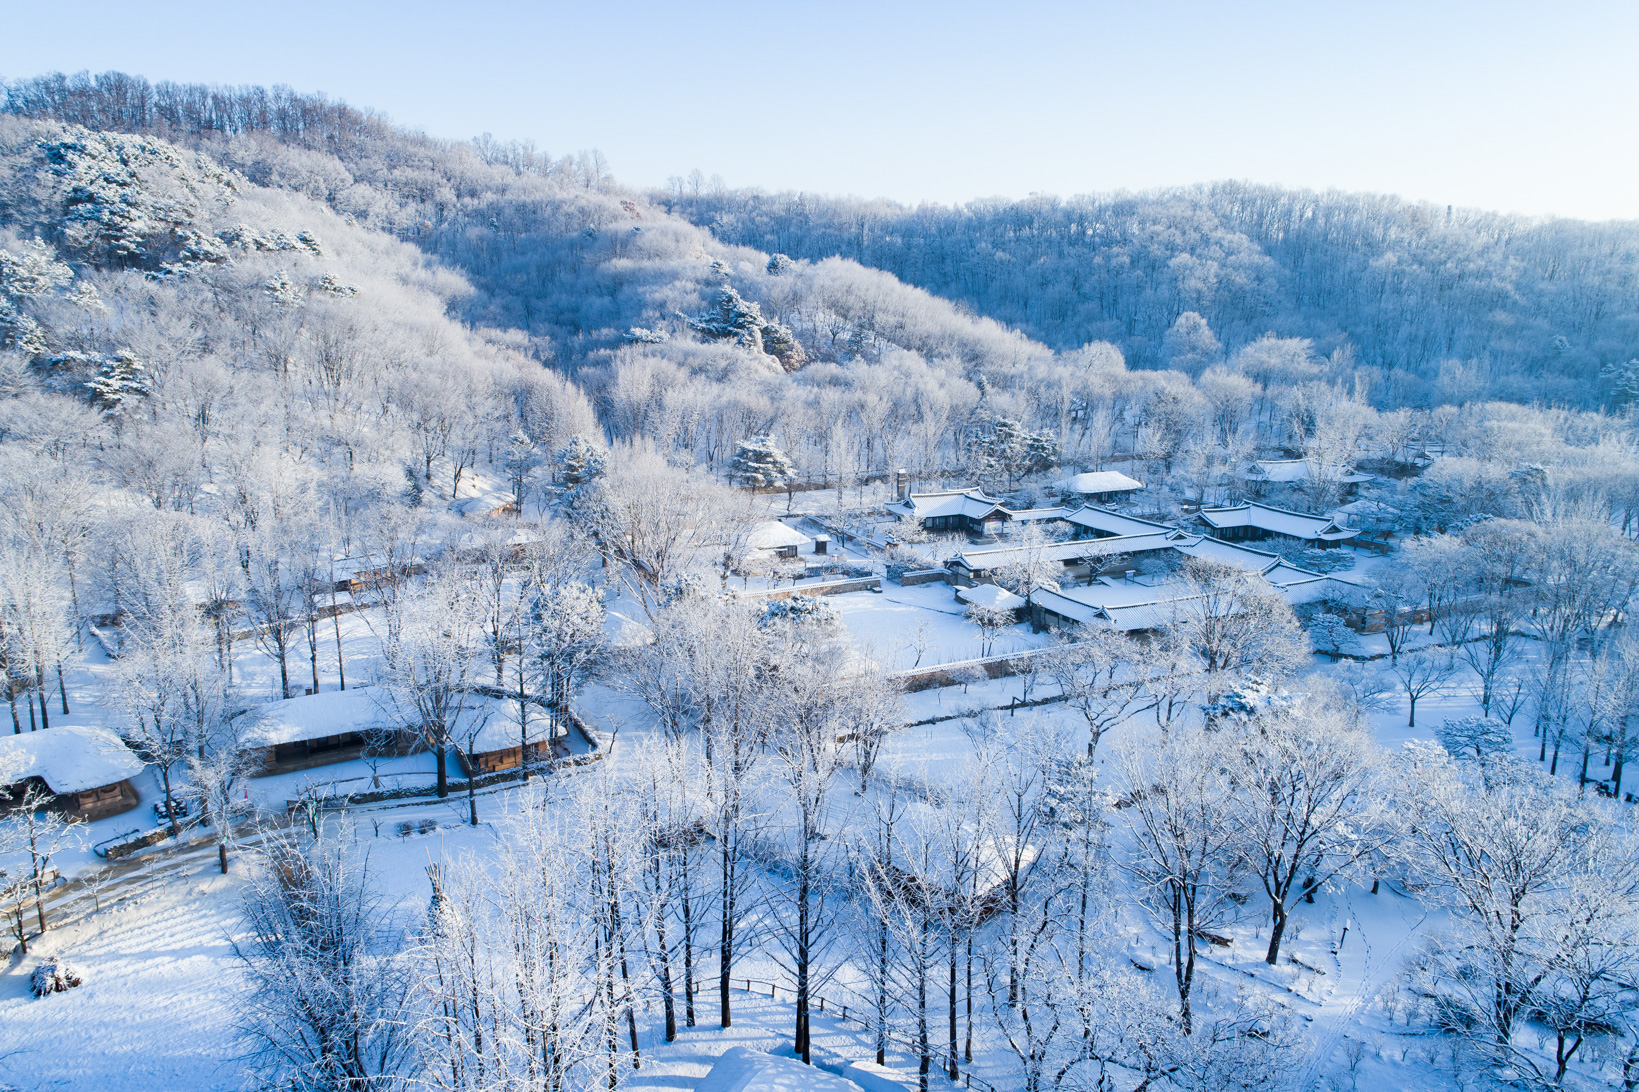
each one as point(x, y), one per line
point(87, 770)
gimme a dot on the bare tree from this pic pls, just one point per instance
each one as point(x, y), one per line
point(1101, 675)
point(428, 665)
point(326, 1010)
point(807, 756)
point(278, 597)
point(1237, 624)
point(1423, 674)
point(657, 522)
point(1178, 813)
point(1307, 803)
point(36, 827)
point(1536, 880)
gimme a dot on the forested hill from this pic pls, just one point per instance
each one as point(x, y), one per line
point(1533, 307)
point(1407, 305)
point(556, 252)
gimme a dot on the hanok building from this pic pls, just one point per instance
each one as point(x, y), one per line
point(1098, 487)
point(490, 737)
point(319, 729)
point(1253, 522)
point(1143, 606)
point(1081, 560)
point(777, 539)
point(1091, 522)
point(354, 574)
point(87, 770)
point(965, 510)
point(1268, 475)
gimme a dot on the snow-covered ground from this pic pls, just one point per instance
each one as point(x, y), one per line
point(158, 1011)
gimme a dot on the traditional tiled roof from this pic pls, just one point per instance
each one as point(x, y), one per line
point(972, 503)
point(1112, 523)
point(1292, 471)
point(996, 557)
point(1280, 521)
point(1099, 481)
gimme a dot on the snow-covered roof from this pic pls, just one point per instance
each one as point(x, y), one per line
point(989, 595)
point(1291, 471)
point(1035, 515)
point(1315, 587)
point(1122, 607)
point(495, 722)
point(1112, 523)
point(741, 1069)
point(345, 567)
point(1099, 481)
point(1127, 607)
point(772, 535)
point(972, 503)
point(316, 716)
point(70, 758)
point(1285, 573)
point(996, 557)
point(1226, 553)
point(1280, 521)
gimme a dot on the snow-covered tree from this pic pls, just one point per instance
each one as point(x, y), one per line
point(326, 1008)
point(759, 464)
point(1308, 803)
point(565, 636)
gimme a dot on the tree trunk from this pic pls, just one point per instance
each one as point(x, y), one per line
point(222, 853)
point(62, 691)
point(687, 905)
point(1277, 929)
point(443, 772)
point(967, 1046)
point(800, 1044)
point(954, 957)
point(341, 666)
point(725, 950)
point(923, 1051)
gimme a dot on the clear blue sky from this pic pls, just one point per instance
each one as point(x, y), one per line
point(1524, 107)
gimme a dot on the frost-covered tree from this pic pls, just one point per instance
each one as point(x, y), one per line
point(1475, 739)
point(565, 636)
point(1183, 858)
point(1308, 803)
point(327, 1008)
point(759, 464)
point(428, 662)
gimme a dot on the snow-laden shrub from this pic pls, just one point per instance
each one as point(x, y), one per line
point(807, 609)
point(54, 976)
point(1475, 739)
point(1255, 697)
point(1330, 634)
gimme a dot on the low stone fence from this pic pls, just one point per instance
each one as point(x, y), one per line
point(964, 671)
point(827, 587)
point(924, 576)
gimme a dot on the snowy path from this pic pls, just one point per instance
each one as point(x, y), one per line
point(1380, 929)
